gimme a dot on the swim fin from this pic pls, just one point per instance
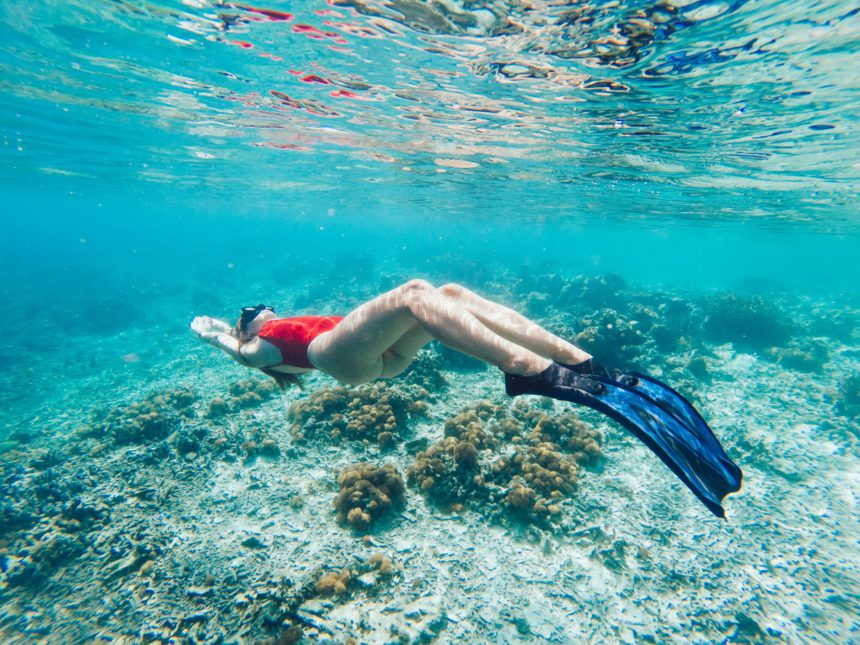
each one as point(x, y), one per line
point(655, 413)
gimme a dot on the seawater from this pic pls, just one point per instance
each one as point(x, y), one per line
point(672, 185)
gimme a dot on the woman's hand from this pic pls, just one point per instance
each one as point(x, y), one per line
point(209, 329)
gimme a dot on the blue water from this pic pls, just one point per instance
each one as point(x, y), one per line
point(164, 160)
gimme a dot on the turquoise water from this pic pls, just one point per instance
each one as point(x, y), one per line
point(671, 185)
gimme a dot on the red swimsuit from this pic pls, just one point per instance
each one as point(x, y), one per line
point(293, 335)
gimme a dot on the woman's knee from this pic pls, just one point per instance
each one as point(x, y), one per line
point(453, 290)
point(416, 285)
point(414, 292)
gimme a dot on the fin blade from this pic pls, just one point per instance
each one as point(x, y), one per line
point(703, 469)
point(675, 403)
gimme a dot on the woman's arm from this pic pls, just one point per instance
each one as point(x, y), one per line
point(218, 333)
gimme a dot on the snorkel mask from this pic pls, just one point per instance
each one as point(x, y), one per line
point(249, 313)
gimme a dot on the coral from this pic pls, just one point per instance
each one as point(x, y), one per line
point(188, 440)
point(425, 373)
point(49, 548)
point(849, 396)
point(382, 564)
point(469, 465)
point(249, 393)
point(537, 303)
point(156, 417)
point(217, 408)
point(698, 367)
point(261, 448)
point(671, 322)
point(748, 321)
point(367, 492)
point(569, 433)
point(537, 474)
point(806, 355)
point(531, 283)
point(599, 291)
point(365, 413)
point(459, 361)
point(839, 323)
point(333, 583)
point(448, 467)
point(613, 337)
point(364, 575)
point(537, 477)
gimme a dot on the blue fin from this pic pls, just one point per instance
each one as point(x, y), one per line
point(673, 402)
point(668, 425)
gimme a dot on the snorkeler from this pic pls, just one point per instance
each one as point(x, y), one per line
point(380, 339)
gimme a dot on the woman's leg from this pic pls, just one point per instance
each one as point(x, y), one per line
point(355, 351)
point(515, 327)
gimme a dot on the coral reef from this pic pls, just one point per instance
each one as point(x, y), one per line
point(675, 323)
point(600, 291)
point(365, 413)
point(246, 394)
point(849, 396)
point(748, 321)
point(186, 532)
point(333, 583)
point(362, 575)
point(250, 392)
point(805, 355)
point(613, 337)
point(469, 466)
point(698, 366)
point(425, 372)
point(368, 492)
point(157, 416)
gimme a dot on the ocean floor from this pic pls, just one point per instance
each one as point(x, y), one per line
point(153, 490)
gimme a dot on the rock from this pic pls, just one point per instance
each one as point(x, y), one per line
point(367, 580)
point(198, 592)
point(197, 617)
point(254, 542)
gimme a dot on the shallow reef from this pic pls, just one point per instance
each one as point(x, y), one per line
point(805, 355)
point(612, 336)
point(426, 372)
point(368, 413)
point(750, 321)
point(206, 513)
point(362, 575)
point(242, 395)
point(155, 417)
point(519, 463)
point(849, 396)
point(367, 493)
point(47, 519)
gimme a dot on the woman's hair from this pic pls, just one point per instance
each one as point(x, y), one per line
point(241, 332)
point(283, 379)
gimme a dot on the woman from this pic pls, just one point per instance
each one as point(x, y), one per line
point(380, 339)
